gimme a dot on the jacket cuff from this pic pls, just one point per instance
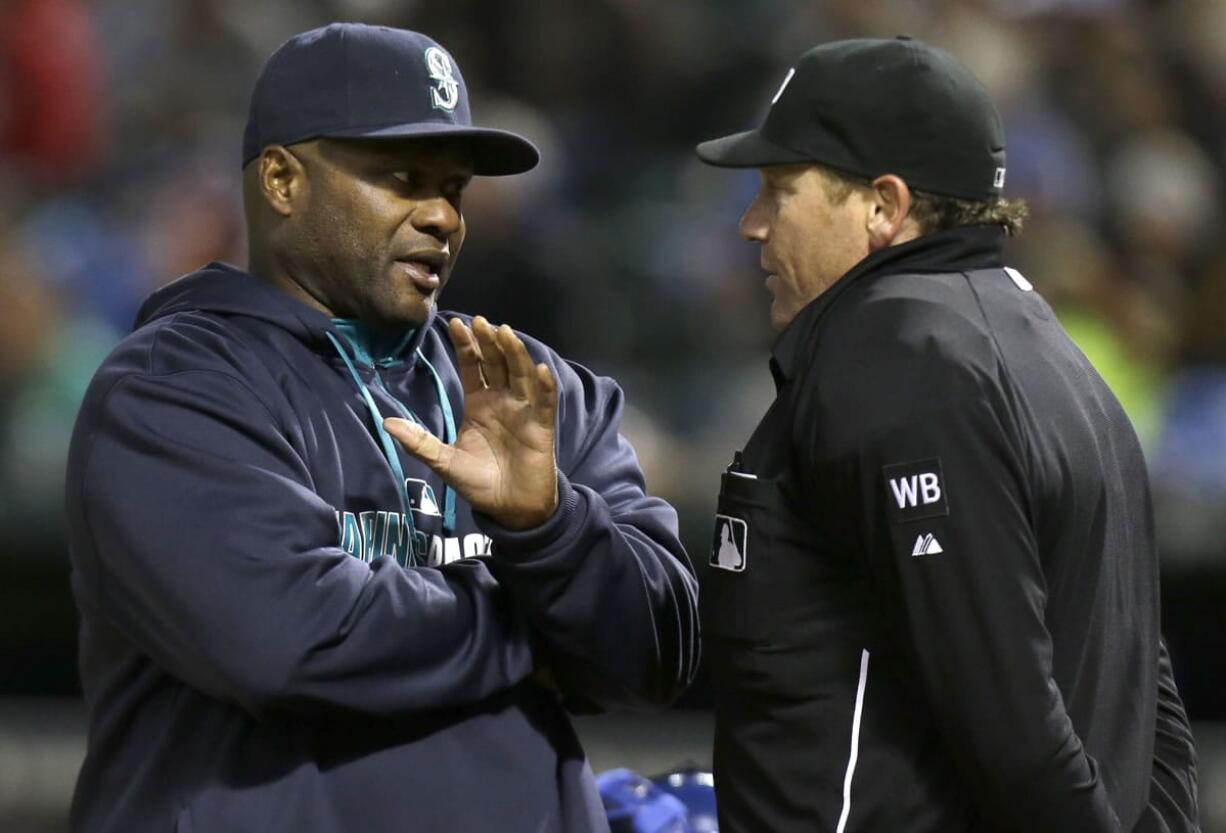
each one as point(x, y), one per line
point(526, 543)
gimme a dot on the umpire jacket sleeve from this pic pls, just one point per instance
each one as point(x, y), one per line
point(214, 556)
point(1173, 786)
point(973, 614)
point(605, 583)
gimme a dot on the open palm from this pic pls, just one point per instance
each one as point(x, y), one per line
point(503, 459)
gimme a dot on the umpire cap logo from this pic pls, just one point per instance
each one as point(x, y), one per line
point(730, 550)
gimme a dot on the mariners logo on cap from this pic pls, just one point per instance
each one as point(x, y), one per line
point(447, 94)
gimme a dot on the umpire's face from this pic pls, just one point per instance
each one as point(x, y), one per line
point(376, 226)
point(812, 231)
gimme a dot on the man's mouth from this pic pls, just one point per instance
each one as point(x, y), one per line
point(424, 268)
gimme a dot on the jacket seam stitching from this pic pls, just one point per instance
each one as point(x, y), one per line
point(1022, 445)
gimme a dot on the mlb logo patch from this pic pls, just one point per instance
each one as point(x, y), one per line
point(730, 549)
point(421, 496)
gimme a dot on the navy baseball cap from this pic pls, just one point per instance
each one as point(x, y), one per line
point(874, 106)
point(356, 81)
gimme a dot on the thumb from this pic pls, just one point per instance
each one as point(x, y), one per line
point(419, 442)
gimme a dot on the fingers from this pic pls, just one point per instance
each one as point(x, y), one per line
point(468, 356)
point(521, 374)
point(493, 362)
point(503, 362)
point(546, 399)
point(421, 444)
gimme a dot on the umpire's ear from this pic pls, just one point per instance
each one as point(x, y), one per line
point(281, 178)
point(890, 222)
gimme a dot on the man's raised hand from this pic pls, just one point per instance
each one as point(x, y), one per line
point(503, 459)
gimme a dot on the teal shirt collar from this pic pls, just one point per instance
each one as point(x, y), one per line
point(376, 348)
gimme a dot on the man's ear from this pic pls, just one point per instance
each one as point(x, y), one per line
point(889, 221)
point(282, 179)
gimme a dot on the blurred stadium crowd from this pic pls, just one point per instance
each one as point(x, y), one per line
point(120, 125)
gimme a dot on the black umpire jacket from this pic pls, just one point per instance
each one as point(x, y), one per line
point(932, 598)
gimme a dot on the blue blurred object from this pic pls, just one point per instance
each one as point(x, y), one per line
point(94, 262)
point(1192, 448)
point(680, 801)
point(696, 790)
point(636, 805)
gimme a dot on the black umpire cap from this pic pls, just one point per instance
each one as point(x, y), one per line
point(874, 106)
point(355, 81)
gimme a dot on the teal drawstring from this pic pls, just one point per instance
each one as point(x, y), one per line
point(389, 449)
point(354, 331)
point(449, 436)
point(449, 431)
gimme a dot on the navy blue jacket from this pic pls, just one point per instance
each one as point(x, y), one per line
point(267, 643)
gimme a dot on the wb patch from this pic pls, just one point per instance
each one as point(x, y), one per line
point(915, 491)
point(730, 550)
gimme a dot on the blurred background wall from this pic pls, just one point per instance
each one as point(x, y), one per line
point(120, 124)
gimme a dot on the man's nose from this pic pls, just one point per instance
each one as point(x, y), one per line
point(436, 216)
point(753, 225)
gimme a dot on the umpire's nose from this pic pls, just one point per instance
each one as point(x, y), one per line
point(755, 222)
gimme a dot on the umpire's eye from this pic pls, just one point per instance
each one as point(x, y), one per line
point(403, 176)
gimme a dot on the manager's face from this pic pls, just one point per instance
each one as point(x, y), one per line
point(811, 230)
point(379, 226)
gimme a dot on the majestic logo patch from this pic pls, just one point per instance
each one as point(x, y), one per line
point(730, 550)
point(915, 491)
point(447, 94)
point(927, 545)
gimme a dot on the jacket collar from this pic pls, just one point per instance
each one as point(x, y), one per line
point(379, 348)
point(961, 249)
